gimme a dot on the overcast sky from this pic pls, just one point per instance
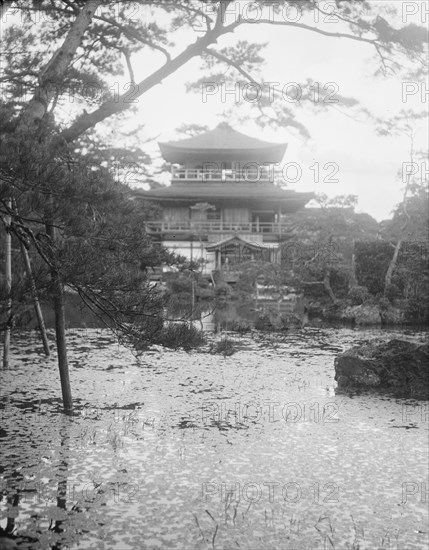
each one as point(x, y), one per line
point(368, 164)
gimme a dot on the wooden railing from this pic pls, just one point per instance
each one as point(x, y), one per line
point(224, 175)
point(217, 227)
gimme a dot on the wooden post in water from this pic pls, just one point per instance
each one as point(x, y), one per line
point(37, 307)
point(60, 325)
point(8, 281)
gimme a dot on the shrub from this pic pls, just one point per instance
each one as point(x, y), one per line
point(264, 322)
point(180, 335)
point(358, 295)
point(204, 293)
point(241, 326)
point(181, 285)
point(384, 303)
point(372, 262)
point(393, 291)
point(417, 310)
point(202, 282)
point(223, 290)
point(226, 347)
point(339, 282)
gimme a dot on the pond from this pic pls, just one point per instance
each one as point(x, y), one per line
point(194, 451)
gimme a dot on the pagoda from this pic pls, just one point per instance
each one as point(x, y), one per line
point(223, 206)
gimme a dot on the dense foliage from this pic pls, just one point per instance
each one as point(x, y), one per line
point(372, 261)
point(101, 251)
point(410, 281)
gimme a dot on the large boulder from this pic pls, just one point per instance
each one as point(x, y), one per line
point(397, 366)
point(365, 314)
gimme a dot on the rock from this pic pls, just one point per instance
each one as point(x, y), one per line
point(397, 365)
point(392, 316)
point(365, 314)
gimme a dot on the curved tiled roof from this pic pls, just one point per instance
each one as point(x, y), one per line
point(223, 192)
point(223, 142)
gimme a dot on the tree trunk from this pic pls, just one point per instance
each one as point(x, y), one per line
point(37, 307)
point(328, 288)
point(353, 276)
point(55, 70)
point(394, 260)
point(326, 285)
point(392, 267)
point(8, 281)
point(60, 329)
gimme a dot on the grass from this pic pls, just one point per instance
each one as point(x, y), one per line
point(181, 335)
point(225, 347)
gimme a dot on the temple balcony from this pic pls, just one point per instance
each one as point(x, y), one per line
point(217, 226)
point(261, 174)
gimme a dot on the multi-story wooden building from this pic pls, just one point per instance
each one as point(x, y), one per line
point(223, 205)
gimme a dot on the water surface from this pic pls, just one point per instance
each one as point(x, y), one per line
point(177, 450)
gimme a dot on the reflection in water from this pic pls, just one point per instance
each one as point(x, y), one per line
point(27, 492)
point(62, 474)
point(13, 503)
point(233, 315)
point(213, 317)
point(178, 450)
